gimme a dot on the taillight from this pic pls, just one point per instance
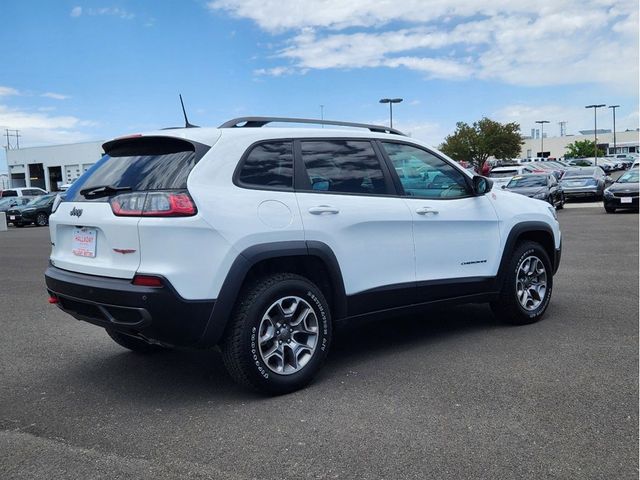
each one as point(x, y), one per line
point(147, 281)
point(153, 204)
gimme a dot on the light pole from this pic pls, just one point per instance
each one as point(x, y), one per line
point(322, 114)
point(595, 128)
point(390, 101)
point(613, 108)
point(542, 122)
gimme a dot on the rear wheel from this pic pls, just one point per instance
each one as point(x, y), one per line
point(527, 285)
point(42, 219)
point(561, 203)
point(279, 334)
point(132, 343)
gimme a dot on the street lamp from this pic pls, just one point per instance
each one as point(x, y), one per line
point(613, 108)
point(542, 122)
point(595, 128)
point(322, 114)
point(390, 101)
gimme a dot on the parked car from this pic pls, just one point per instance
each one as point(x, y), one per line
point(623, 159)
point(10, 202)
point(262, 239)
point(584, 182)
point(604, 164)
point(550, 167)
point(22, 192)
point(543, 186)
point(501, 175)
point(36, 212)
point(623, 194)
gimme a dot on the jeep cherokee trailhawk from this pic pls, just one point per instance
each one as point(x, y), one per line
point(260, 240)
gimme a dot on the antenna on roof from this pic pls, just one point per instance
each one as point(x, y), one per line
point(184, 112)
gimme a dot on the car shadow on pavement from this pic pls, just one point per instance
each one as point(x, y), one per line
point(187, 376)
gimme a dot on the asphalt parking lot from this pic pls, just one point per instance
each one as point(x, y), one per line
point(449, 394)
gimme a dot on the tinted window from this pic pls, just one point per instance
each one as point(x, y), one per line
point(9, 193)
point(269, 165)
point(528, 181)
point(423, 174)
point(348, 166)
point(147, 163)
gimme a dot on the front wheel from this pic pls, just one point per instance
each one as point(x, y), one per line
point(279, 334)
point(526, 287)
point(42, 220)
point(561, 204)
point(609, 209)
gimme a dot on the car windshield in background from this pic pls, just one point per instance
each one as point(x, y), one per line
point(630, 177)
point(43, 200)
point(503, 174)
point(587, 172)
point(528, 181)
point(140, 164)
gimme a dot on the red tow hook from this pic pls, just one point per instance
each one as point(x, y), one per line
point(53, 299)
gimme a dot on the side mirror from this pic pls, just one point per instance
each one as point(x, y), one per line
point(503, 187)
point(481, 185)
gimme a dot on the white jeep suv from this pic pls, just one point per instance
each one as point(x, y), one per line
point(260, 240)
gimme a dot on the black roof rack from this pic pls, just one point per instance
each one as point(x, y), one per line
point(257, 122)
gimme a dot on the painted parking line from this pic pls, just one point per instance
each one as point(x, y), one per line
point(584, 205)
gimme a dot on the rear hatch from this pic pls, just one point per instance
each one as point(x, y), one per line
point(94, 229)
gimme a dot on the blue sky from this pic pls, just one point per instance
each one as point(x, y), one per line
point(77, 71)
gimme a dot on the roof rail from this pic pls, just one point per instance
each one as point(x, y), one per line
point(257, 122)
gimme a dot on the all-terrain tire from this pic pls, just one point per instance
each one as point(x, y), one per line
point(243, 348)
point(508, 306)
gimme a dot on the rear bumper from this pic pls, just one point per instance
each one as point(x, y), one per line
point(581, 192)
point(152, 313)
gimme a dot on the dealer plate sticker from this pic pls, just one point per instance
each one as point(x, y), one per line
point(12, 217)
point(626, 200)
point(83, 243)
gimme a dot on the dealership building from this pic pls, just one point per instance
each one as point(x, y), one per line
point(52, 166)
point(625, 142)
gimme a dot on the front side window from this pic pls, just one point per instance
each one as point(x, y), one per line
point(424, 175)
point(343, 166)
point(270, 165)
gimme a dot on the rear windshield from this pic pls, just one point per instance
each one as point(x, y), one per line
point(503, 173)
point(587, 172)
point(145, 163)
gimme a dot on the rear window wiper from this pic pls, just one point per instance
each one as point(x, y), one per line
point(102, 191)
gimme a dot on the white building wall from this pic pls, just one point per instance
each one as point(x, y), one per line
point(73, 160)
point(556, 145)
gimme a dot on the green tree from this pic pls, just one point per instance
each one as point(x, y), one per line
point(485, 138)
point(582, 149)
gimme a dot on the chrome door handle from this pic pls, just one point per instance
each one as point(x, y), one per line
point(323, 210)
point(426, 211)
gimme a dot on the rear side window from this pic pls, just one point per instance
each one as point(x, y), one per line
point(343, 166)
point(9, 193)
point(141, 164)
point(268, 165)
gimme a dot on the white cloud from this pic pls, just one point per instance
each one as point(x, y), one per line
point(577, 118)
point(108, 11)
point(39, 128)
point(55, 96)
point(8, 91)
point(559, 42)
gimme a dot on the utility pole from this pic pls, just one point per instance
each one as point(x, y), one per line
point(322, 114)
point(542, 122)
point(595, 128)
point(12, 134)
point(613, 108)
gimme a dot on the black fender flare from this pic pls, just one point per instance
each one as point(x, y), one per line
point(251, 256)
point(516, 232)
